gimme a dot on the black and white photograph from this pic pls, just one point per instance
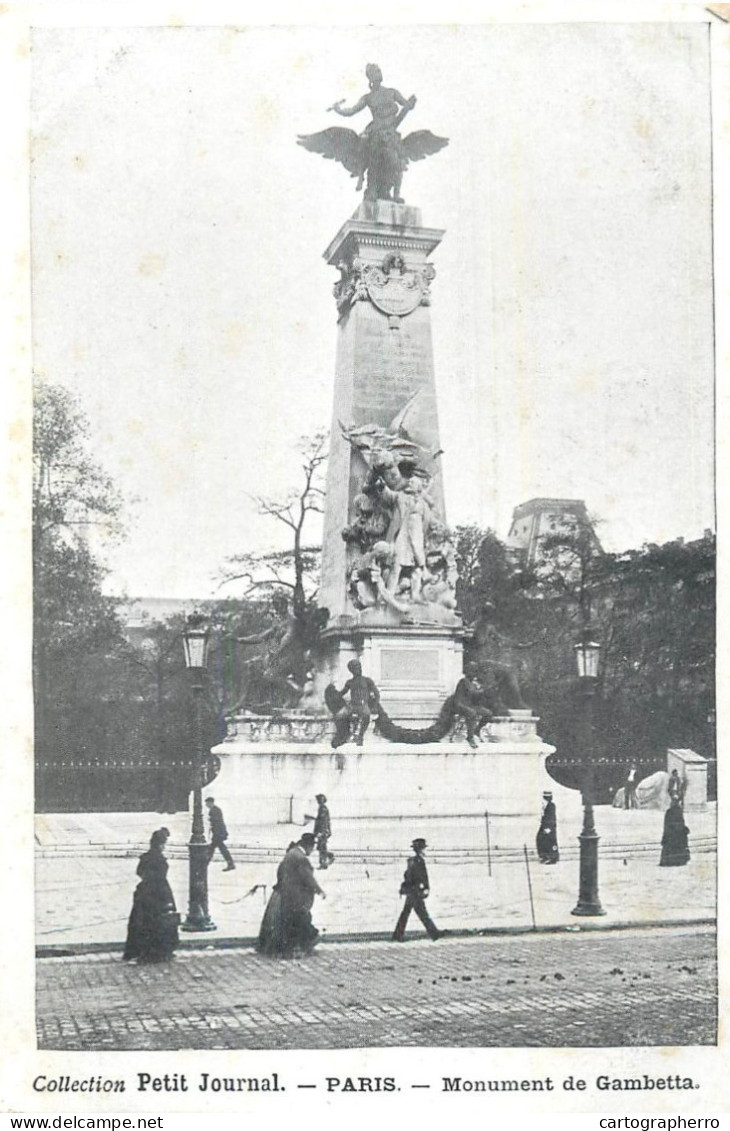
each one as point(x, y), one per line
point(369, 667)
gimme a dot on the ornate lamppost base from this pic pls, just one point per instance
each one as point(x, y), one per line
point(588, 902)
point(588, 909)
point(197, 918)
point(198, 922)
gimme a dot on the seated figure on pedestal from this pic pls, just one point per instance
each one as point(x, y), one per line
point(495, 653)
point(355, 715)
point(470, 703)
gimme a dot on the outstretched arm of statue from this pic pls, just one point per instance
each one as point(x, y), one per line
point(409, 102)
point(348, 111)
point(257, 637)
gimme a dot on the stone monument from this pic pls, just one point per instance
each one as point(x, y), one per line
point(388, 559)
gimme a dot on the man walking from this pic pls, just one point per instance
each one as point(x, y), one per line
point(415, 889)
point(323, 831)
point(218, 834)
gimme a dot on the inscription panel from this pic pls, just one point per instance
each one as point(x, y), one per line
point(409, 665)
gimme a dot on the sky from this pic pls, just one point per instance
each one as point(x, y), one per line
point(178, 285)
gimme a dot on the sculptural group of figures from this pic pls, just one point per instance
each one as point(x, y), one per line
point(358, 703)
point(403, 555)
point(379, 152)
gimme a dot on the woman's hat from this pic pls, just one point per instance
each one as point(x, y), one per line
point(547, 794)
point(419, 842)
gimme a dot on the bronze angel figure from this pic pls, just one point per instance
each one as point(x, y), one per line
point(379, 151)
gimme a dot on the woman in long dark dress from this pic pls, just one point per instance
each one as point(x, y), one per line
point(675, 846)
point(273, 941)
point(152, 931)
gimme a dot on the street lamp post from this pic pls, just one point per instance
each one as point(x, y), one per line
point(587, 653)
point(195, 639)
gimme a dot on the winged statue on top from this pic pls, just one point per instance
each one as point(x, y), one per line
point(379, 151)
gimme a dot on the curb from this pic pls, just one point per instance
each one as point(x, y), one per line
point(244, 943)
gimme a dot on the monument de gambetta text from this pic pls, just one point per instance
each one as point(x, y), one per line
point(392, 648)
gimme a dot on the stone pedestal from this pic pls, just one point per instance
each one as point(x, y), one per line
point(416, 667)
point(274, 780)
point(413, 651)
point(384, 357)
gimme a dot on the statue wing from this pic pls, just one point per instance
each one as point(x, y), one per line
point(420, 144)
point(337, 144)
point(334, 700)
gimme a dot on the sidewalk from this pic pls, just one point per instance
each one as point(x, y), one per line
point(85, 875)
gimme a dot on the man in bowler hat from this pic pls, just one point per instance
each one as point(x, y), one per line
point(547, 834)
point(415, 889)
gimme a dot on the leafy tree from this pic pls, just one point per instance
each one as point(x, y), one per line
point(652, 610)
point(75, 627)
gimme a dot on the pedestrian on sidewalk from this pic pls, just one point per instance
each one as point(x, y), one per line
point(675, 845)
point(218, 834)
point(415, 888)
point(323, 831)
point(152, 930)
point(547, 834)
point(287, 928)
point(630, 787)
point(676, 787)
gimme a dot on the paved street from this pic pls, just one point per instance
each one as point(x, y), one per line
point(587, 987)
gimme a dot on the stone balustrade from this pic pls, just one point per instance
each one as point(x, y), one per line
point(299, 727)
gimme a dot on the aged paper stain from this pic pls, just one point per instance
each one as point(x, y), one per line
point(151, 264)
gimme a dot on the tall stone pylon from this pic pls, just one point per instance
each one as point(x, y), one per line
point(389, 582)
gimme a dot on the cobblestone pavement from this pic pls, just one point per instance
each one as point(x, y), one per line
point(632, 987)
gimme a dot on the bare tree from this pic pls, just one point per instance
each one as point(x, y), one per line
point(286, 582)
point(291, 571)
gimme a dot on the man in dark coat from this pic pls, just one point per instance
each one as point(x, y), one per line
point(415, 889)
point(676, 787)
point(218, 834)
point(470, 703)
point(323, 831)
point(364, 700)
point(297, 886)
point(547, 834)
